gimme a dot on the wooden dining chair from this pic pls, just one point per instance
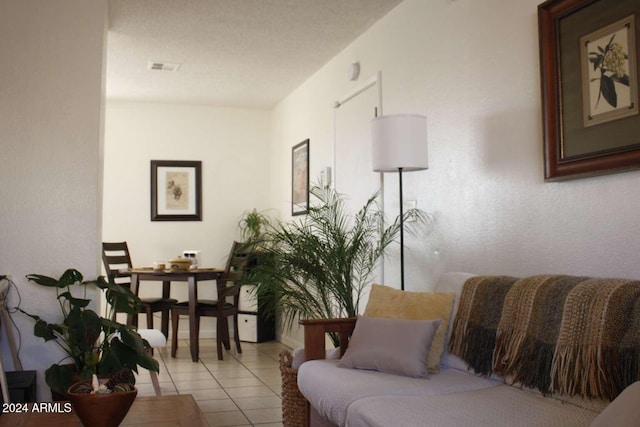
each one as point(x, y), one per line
point(221, 308)
point(116, 257)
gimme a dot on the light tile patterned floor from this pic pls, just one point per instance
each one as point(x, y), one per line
point(241, 390)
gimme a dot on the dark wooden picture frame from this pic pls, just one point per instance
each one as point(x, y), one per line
point(176, 190)
point(300, 178)
point(571, 149)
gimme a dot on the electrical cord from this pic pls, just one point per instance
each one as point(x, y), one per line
point(4, 306)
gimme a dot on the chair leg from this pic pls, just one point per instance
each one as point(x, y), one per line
point(236, 334)
point(154, 375)
point(155, 382)
point(149, 317)
point(225, 333)
point(219, 336)
point(164, 326)
point(174, 332)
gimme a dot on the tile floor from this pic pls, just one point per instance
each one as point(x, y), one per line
point(241, 390)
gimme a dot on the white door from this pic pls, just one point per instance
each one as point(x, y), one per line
point(353, 173)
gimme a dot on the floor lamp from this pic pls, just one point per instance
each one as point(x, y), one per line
point(400, 145)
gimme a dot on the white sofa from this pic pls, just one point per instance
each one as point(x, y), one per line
point(454, 397)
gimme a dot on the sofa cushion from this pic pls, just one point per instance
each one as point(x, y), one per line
point(392, 303)
point(394, 346)
point(490, 407)
point(297, 356)
point(623, 410)
point(331, 389)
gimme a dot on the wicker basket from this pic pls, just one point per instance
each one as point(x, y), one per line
point(294, 405)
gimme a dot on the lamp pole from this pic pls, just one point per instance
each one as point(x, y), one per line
point(401, 233)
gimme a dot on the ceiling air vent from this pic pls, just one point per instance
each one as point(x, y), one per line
point(163, 66)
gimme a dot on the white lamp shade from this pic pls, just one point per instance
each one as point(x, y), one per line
point(399, 141)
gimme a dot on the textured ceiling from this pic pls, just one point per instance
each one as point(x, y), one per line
point(239, 53)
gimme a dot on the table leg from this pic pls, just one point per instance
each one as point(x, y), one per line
point(166, 292)
point(193, 329)
point(134, 289)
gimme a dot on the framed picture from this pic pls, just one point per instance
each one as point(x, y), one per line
point(589, 74)
point(176, 190)
point(300, 178)
point(609, 71)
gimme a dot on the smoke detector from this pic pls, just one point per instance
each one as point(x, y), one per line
point(163, 66)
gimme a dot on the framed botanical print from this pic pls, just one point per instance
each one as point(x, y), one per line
point(589, 74)
point(176, 190)
point(300, 178)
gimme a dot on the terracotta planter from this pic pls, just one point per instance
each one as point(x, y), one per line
point(101, 410)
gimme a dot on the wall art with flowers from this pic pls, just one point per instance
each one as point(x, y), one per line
point(609, 86)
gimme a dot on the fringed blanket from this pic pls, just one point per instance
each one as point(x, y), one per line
point(560, 334)
point(474, 330)
point(597, 350)
point(529, 328)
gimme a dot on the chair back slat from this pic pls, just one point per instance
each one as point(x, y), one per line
point(237, 262)
point(116, 256)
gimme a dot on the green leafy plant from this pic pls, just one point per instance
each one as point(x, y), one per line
point(94, 344)
point(253, 224)
point(318, 266)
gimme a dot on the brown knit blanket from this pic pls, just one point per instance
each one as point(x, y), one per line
point(473, 335)
point(598, 346)
point(569, 335)
point(529, 328)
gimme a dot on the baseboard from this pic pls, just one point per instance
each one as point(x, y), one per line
point(290, 342)
point(204, 334)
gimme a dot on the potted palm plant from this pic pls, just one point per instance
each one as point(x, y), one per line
point(94, 344)
point(318, 266)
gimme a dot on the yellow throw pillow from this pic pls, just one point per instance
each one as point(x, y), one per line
point(390, 303)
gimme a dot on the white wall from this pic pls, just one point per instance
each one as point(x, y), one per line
point(51, 92)
point(472, 68)
point(233, 145)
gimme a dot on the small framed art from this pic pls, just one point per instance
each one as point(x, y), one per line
point(300, 178)
point(176, 190)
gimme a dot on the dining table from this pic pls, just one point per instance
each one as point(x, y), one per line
point(192, 277)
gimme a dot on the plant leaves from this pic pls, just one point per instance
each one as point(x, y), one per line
point(75, 302)
point(45, 330)
point(148, 362)
point(80, 331)
point(59, 378)
point(610, 41)
point(121, 298)
point(109, 363)
point(608, 90)
point(84, 330)
point(126, 357)
point(319, 265)
point(596, 61)
point(43, 280)
point(622, 80)
point(70, 277)
point(131, 339)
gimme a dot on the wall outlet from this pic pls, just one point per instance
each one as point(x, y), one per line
point(410, 206)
